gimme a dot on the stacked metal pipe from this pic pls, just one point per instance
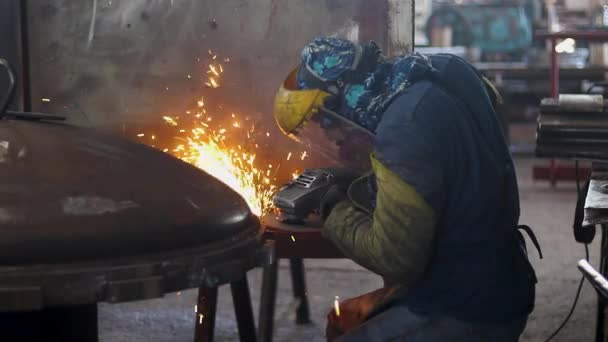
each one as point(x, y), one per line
point(573, 126)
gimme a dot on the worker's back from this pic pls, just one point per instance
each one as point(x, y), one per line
point(442, 136)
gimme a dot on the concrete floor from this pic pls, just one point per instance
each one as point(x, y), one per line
point(548, 210)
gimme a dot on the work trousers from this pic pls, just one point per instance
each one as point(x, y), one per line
point(400, 324)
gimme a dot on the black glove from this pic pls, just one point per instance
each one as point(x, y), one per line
point(333, 196)
point(343, 176)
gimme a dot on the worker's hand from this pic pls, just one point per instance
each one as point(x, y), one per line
point(343, 176)
point(355, 311)
point(334, 195)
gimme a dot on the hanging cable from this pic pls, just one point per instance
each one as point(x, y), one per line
point(576, 297)
point(580, 284)
point(11, 87)
point(565, 321)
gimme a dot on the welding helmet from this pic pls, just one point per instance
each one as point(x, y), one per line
point(310, 114)
point(306, 116)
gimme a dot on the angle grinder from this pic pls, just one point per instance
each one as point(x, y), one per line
point(302, 197)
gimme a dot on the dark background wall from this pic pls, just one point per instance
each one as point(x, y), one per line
point(107, 61)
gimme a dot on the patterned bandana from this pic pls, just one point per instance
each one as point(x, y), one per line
point(381, 80)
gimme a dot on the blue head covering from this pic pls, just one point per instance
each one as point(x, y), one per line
point(379, 81)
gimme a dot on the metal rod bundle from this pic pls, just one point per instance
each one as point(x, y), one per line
point(573, 126)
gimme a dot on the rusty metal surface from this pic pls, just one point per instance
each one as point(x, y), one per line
point(69, 193)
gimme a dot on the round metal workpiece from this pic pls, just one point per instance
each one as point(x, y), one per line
point(87, 216)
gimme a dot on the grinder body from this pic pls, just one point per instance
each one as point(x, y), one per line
point(302, 196)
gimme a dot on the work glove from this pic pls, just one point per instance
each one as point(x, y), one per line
point(343, 178)
point(356, 311)
point(333, 196)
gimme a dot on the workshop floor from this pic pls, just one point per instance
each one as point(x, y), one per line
point(548, 210)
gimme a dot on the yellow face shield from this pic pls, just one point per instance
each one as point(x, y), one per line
point(301, 115)
point(293, 108)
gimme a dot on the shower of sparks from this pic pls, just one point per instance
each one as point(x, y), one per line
point(45, 100)
point(337, 306)
point(196, 309)
point(210, 145)
point(207, 149)
point(293, 239)
point(215, 71)
point(200, 318)
point(304, 155)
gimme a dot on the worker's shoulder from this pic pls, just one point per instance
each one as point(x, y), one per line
point(424, 98)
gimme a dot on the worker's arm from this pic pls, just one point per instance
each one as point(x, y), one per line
point(396, 242)
point(397, 239)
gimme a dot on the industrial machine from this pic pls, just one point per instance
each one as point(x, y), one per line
point(493, 28)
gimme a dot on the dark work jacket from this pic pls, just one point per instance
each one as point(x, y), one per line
point(442, 137)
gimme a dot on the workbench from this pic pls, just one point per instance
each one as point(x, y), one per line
point(596, 214)
point(294, 243)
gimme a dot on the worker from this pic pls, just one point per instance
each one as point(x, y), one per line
point(437, 216)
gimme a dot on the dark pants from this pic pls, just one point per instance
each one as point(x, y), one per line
point(400, 324)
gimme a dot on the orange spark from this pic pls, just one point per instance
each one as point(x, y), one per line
point(170, 120)
point(337, 306)
point(213, 70)
point(222, 153)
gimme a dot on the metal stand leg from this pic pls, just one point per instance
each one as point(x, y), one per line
point(601, 307)
point(205, 314)
point(298, 281)
point(75, 323)
point(243, 310)
point(268, 300)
